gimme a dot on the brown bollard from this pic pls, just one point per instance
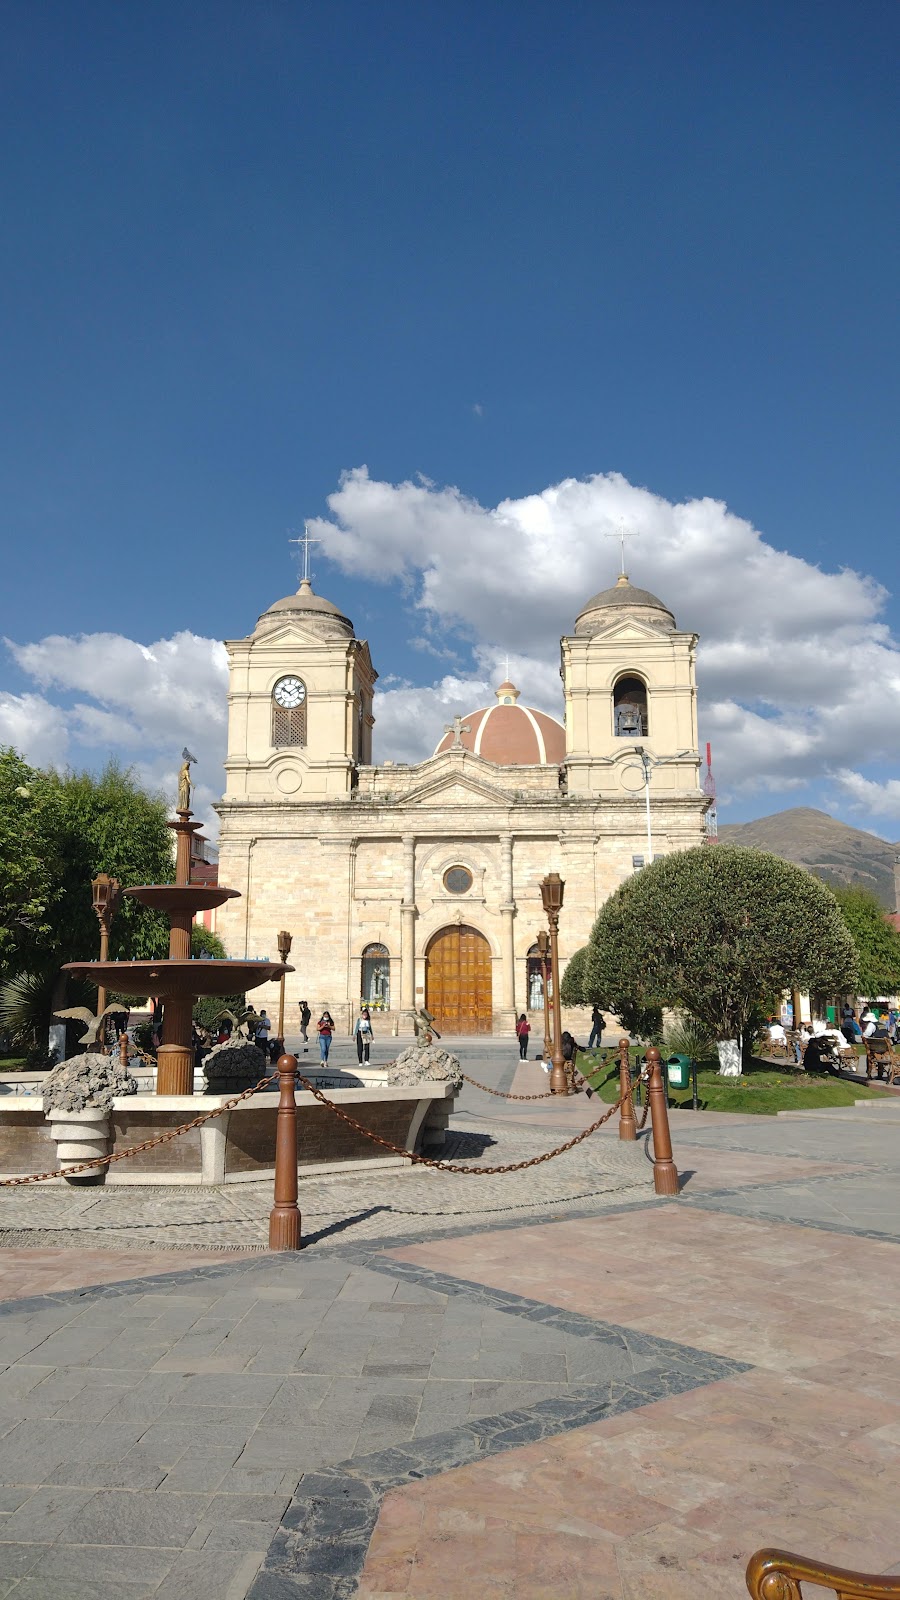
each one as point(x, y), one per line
point(284, 1218)
point(123, 1050)
point(627, 1124)
point(665, 1172)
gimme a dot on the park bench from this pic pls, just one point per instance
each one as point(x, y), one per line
point(777, 1049)
point(777, 1575)
point(882, 1057)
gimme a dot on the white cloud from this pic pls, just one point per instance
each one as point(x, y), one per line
point(35, 727)
point(864, 794)
point(148, 701)
point(798, 673)
point(411, 720)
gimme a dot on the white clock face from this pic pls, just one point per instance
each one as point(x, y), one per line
point(289, 692)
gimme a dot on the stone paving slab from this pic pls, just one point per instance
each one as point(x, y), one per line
point(541, 1408)
point(202, 1398)
point(669, 1500)
point(33, 1271)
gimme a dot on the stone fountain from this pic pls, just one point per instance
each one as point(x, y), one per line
point(179, 980)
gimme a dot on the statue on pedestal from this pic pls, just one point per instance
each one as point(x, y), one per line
point(184, 780)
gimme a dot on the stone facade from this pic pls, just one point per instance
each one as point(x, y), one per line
point(348, 855)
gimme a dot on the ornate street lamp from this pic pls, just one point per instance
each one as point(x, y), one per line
point(284, 950)
point(106, 895)
point(552, 888)
point(543, 944)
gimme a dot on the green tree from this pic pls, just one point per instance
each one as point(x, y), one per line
point(31, 861)
point(715, 932)
point(877, 942)
point(108, 823)
point(206, 943)
point(580, 986)
point(573, 985)
point(57, 831)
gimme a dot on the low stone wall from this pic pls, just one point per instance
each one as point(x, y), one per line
point(239, 1145)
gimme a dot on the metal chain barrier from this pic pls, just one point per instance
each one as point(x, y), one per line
point(449, 1166)
point(501, 1096)
point(408, 1155)
point(135, 1149)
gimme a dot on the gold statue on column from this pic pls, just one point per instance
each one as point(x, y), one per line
point(184, 780)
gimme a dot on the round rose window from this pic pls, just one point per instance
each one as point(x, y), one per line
point(458, 880)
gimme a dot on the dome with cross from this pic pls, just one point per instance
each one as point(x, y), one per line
point(508, 734)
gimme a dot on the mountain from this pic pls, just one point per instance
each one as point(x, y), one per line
point(835, 852)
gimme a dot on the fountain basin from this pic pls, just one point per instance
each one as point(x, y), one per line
point(182, 896)
point(178, 979)
point(239, 1145)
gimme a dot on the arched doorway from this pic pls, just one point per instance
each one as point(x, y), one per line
point(458, 981)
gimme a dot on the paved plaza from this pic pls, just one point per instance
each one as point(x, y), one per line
point(546, 1384)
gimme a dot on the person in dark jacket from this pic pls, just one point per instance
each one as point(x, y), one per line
point(570, 1049)
point(598, 1023)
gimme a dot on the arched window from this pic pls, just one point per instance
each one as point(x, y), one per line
point(534, 980)
point(630, 709)
point(289, 711)
point(375, 985)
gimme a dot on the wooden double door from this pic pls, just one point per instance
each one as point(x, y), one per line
point(458, 990)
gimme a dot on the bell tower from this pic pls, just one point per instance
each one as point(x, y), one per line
point(300, 693)
point(629, 680)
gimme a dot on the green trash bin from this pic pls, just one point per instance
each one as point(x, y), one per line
point(678, 1071)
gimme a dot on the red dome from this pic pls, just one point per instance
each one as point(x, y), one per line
point(508, 734)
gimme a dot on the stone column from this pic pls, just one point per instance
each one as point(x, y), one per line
point(507, 933)
point(408, 926)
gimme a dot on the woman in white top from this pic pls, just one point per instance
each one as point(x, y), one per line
point(363, 1031)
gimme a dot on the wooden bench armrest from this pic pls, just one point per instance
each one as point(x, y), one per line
point(777, 1575)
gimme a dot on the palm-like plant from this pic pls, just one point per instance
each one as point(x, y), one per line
point(25, 1008)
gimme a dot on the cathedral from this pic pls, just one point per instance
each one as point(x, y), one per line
point(406, 886)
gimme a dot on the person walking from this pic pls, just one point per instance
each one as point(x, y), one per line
point(325, 1029)
point(305, 1015)
point(364, 1035)
point(263, 1029)
point(598, 1023)
point(850, 1028)
point(523, 1029)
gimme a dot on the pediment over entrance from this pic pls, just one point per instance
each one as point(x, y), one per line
point(630, 630)
point(457, 791)
point(290, 634)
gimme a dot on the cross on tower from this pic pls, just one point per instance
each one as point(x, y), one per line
point(622, 533)
point(457, 727)
point(305, 543)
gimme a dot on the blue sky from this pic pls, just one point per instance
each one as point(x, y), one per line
point(251, 247)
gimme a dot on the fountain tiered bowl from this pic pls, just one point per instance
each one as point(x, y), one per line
point(178, 980)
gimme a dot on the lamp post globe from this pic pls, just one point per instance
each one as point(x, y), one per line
point(552, 890)
point(543, 944)
point(284, 942)
point(106, 897)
